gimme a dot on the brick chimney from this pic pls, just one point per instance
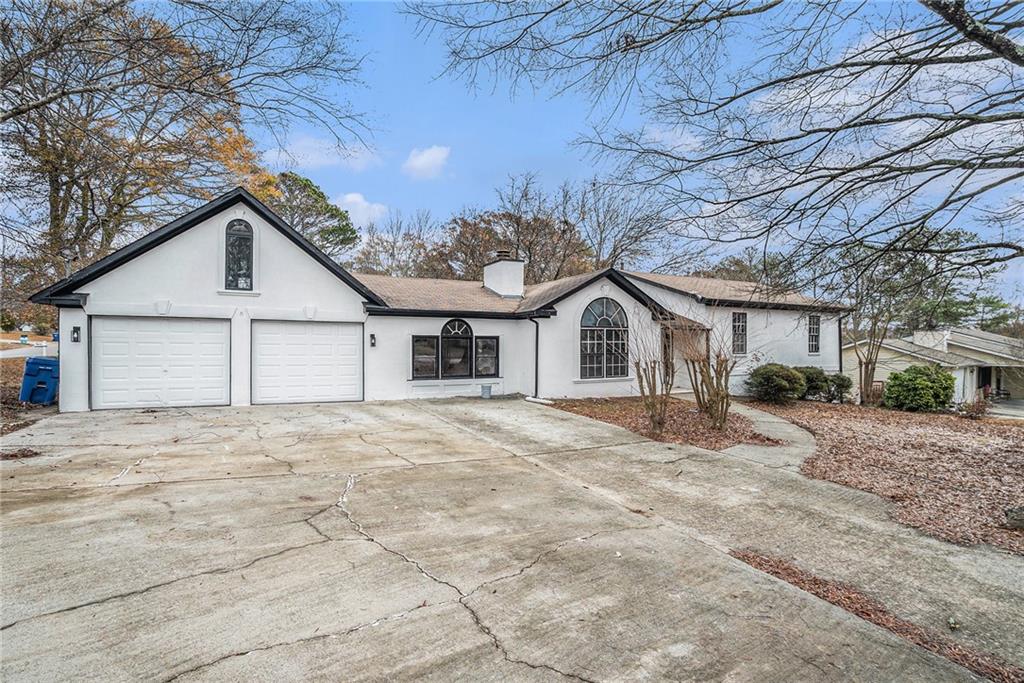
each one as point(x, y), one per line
point(504, 275)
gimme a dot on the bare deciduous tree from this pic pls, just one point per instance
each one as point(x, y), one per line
point(399, 247)
point(851, 124)
point(709, 364)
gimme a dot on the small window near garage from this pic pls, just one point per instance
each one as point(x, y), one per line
point(814, 334)
point(238, 256)
point(739, 333)
point(486, 357)
point(424, 357)
point(456, 349)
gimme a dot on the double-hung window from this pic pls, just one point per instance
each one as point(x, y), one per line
point(739, 333)
point(814, 334)
point(604, 341)
point(455, 353)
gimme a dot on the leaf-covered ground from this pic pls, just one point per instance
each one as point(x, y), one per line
point(948, 476)
point(14, 414)
point(683, 424)
point(869, 609)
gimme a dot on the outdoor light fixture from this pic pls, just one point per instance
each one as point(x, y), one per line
point(76, 334)
point(373, 340)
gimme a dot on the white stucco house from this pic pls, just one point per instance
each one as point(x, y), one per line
point(228, 305)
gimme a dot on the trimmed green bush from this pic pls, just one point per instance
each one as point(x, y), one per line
point(815, 382)
point(839, 386)
point(775, 383)
point(919, 388)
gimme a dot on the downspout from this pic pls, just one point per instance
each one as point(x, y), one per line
point(840, 343)
point(536, 357)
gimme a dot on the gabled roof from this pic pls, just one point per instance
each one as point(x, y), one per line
point(469, 298)
point(953, 360)
point(716, 292)
point(62, 293)
point(987, 342)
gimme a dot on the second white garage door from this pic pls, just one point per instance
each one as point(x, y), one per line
point(306, 362)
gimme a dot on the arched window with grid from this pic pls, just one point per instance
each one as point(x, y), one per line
point(604, 340)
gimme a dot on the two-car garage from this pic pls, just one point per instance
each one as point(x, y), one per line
point(167, 361)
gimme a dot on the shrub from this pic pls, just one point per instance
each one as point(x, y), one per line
point(839, 386)
point(815, 382)
point(775, 383)
point(919, 388)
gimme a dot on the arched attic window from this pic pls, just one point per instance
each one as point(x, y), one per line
point(604, 340)
point(238, 258)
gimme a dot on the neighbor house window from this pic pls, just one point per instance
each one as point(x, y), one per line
point(739, 333)
point(486, 357)
point(238, 256)
point(456, 349)
point(813, 333)
point(424, 357)
point(604, 341)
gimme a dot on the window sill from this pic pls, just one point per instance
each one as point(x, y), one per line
point(236, 292)
point(602, 380)
point(455, 379)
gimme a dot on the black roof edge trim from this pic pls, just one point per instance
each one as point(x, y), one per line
point(442, 313)
point(68, 300)
point(180, 225)
point(623, 283)
point(741, 303)
point(500, 260)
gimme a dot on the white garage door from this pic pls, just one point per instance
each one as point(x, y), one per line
point(139, 362)
point(304, 362)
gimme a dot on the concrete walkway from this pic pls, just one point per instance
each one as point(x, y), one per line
point(489, 540)
point(798, 443)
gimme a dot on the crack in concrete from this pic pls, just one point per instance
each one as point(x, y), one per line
point(314, 638)
point(125, 471)
point(141, 591)
point(362, 437)
point(463, 596)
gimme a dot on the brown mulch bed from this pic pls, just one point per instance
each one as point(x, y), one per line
point(18, 454)
point(950, 477)
point(856, 603)
point(683, 423)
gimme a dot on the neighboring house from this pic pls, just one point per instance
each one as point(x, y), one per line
point(228, 305)
point(982, 363)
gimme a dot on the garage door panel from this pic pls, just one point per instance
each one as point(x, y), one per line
point(303, 362)
point(148, 362)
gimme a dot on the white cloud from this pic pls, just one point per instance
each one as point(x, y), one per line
point(361, 211)
point(424, 164)
point(307, 152)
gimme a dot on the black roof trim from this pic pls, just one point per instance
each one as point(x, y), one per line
point(500, 260)
point(69, 300)
point(53, 293)
point(441, 313)
point(622, 282)
point(742, 303)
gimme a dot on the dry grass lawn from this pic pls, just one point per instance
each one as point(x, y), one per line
point(950, 477)
point(15, 336)
point(684, 424)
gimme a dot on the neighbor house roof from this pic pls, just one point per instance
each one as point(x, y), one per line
point(953, 360)
point(716, 292)
point(987, 342)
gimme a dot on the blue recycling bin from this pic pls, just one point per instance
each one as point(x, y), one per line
point(56, 336)
point(39, 385)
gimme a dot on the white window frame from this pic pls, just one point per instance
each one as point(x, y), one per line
point(814, 335)
point(741, 317)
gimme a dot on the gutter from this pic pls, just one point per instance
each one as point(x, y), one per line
point(840, 324)
point(536, 358)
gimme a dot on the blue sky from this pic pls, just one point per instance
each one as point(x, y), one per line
point(436, 144)
point(468, 142)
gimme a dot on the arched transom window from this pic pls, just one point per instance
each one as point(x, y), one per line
point(238, 256)
point(604, 340)
point(455, 353)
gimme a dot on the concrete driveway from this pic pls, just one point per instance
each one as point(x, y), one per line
point(494, 540)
